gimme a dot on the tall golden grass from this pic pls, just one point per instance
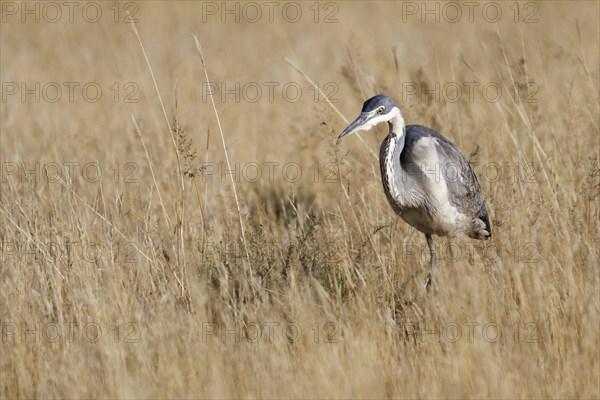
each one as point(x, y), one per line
point(133, 264)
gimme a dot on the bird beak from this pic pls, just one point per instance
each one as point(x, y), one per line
point(356, 125)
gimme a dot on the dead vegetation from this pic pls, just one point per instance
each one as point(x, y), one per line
point(124, 272)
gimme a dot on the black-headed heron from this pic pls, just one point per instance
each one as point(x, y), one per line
point(427, 181)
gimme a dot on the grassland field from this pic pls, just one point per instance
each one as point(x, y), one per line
point(180, 220)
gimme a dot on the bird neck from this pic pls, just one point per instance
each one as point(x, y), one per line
point(396, 124)
point(391, 167)
point(393, 175)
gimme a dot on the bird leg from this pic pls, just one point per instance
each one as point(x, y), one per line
point(434, 261)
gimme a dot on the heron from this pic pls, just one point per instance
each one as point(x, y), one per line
point(426, 179)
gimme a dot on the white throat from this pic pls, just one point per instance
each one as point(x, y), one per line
point(396, 122)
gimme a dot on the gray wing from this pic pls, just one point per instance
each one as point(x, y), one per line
point(464, 191)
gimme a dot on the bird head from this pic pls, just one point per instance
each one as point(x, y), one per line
point(376, 110)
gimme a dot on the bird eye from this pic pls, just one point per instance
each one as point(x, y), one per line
point(380, 110)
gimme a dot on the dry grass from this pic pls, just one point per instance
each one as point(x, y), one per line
point(324, 269)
